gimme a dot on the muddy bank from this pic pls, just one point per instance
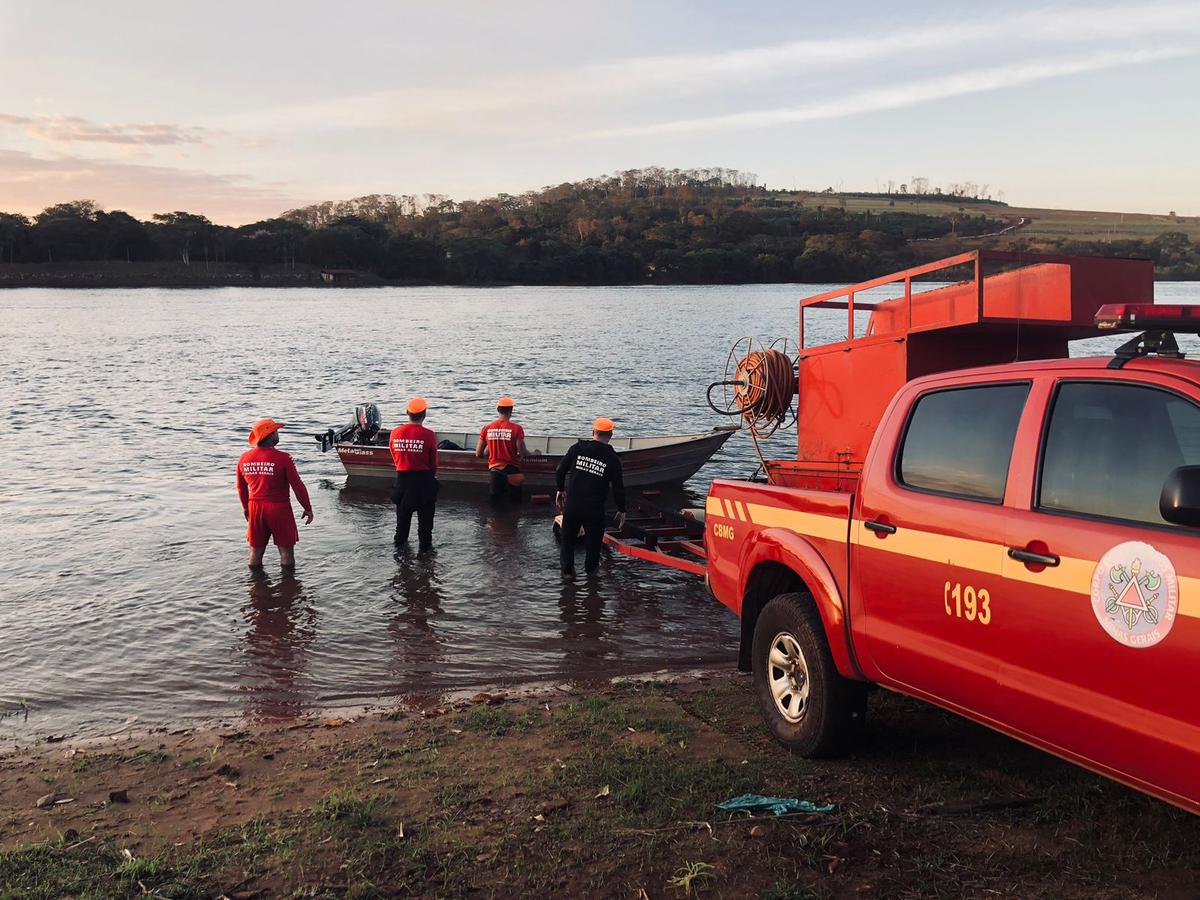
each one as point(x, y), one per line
point(608, 794)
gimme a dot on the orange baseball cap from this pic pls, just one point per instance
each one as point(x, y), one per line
point(506, 401)
point(261, 429)
point(602, 424)
point(417, 405)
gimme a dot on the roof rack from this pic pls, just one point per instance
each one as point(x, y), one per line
point(1160, 320)
point(1158, 343)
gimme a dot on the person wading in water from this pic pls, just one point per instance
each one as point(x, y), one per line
point(583, 478)
point(264, 476)
point(415, 453)
point(503, 442)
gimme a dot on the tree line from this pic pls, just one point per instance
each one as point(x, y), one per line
point(637, 226)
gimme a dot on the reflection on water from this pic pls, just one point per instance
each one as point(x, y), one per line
point(417, 601)
point(125, 591)
point(585, 640)
point(280, 625)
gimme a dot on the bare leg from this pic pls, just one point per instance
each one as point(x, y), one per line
point(256, 555)
point(287, 557)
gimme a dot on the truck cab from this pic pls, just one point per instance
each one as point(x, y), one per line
point(1017, 541)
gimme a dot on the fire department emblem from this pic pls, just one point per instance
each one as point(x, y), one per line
point(1135, 594)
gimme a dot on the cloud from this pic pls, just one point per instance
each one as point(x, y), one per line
point(901, 95)
point(1063, 26)
point(71, 129)
point(29, 183)
point(648, 78)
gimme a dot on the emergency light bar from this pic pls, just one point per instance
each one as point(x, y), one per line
point(1150, 316)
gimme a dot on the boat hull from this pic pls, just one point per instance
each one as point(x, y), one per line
point(666, 461)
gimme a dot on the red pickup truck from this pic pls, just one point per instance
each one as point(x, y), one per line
point(1017, 541)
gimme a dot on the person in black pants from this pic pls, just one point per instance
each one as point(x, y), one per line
point(583, 479)
point(414, 451)
point(415, 492)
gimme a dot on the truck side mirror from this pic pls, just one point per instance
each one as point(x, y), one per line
point(1180, 500)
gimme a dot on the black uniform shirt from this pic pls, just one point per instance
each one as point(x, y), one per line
point(586, 473)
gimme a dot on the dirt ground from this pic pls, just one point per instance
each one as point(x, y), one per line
point(604, 792)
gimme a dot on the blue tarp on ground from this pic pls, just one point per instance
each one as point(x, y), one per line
point(756, 803)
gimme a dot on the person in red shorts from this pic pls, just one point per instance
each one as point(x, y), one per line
point(503, 442)
point(264, 477)
point(415, 453)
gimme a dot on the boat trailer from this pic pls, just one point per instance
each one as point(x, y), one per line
point(668, 537)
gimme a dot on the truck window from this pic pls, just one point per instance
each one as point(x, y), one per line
point(959, 441)
point(1110, 446)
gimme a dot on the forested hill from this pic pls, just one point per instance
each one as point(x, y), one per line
point(635, 227)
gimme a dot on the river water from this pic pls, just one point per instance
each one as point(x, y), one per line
point(125, 600)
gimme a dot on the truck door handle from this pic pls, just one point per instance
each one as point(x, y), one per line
point(879, 527)
point(1028, 556)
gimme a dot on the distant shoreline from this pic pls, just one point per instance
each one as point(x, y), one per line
point(125, 276)
point(639, 227)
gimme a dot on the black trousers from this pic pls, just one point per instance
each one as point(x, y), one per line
point(501, 488)
point(592, 521)
point(415, 492)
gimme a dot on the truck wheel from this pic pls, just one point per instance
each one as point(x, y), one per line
point(808, 705)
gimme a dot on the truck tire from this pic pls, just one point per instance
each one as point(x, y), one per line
point(809, 706)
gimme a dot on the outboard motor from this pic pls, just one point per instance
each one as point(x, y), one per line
point(366, 422)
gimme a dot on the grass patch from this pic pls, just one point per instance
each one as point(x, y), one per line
point(148, 757)
point(58, 870)
point(83, 763)
point(497, 721)
point(458, 795)
point(588, 719)
point(90, 870)
point(653, 785)
point(600, 716)
point(51, 871)
point(786, 890)
point(349, 810)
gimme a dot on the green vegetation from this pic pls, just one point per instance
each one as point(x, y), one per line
point(599, 797)
point(346, 809)
point(74, 867)
point(496, 721)
point(642, 226)
point(657, 785)
point(150, 756)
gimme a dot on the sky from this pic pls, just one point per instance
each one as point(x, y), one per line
point(241, 110)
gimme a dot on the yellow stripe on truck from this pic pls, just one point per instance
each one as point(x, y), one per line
point(1189, 596)
point(832, 528)
point(940, 548)
point(1071, 575)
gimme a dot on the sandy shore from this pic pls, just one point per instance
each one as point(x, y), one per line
point(608, 793)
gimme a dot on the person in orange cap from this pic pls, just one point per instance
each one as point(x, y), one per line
point(503, 442)
point(415, 453)
point(264, 476)
point(585, 475)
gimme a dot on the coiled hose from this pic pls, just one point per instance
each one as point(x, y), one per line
point(759, 385)
point(763, 383)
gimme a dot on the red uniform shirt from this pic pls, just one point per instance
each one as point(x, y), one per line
point(414, 448)
point(265, 473)
point(501, 438)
